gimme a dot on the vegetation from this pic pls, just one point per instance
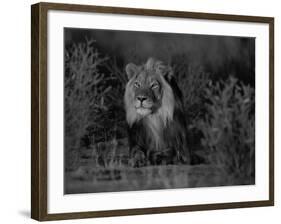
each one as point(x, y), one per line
point(220, 117)
point(228, 128)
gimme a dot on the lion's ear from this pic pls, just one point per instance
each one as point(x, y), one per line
point(131, 70)
point(169, 73)
point(166, 71)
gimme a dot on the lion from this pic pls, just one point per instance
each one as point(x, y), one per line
point(155, 115)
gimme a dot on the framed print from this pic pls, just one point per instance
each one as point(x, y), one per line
point(138, 111)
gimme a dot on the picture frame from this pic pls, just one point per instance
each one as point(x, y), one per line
point(41, 88)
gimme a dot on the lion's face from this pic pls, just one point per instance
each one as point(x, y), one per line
point(147, 92)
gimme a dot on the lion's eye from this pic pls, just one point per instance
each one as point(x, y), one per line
point(137, 84)
point(154, 85)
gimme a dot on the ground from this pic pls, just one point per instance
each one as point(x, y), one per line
point(93, 174)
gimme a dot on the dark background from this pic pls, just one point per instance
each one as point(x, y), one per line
point(219, 55)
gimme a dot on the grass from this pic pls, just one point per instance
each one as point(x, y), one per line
point(90, 176)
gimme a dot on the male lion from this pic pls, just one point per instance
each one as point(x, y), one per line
point(155, 115)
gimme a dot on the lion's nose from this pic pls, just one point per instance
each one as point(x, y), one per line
point(141, 98)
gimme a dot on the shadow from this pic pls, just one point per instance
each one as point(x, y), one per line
point(25, 213)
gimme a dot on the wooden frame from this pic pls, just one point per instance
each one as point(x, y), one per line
point(39, 110)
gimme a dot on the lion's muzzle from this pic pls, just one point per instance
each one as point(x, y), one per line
point(143, 105)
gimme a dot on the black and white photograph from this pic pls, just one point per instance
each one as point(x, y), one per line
point(139, 111)
point(153, 111)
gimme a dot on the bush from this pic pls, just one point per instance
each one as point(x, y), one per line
point(228, 128)
point(93, 98)
point(192, 80)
